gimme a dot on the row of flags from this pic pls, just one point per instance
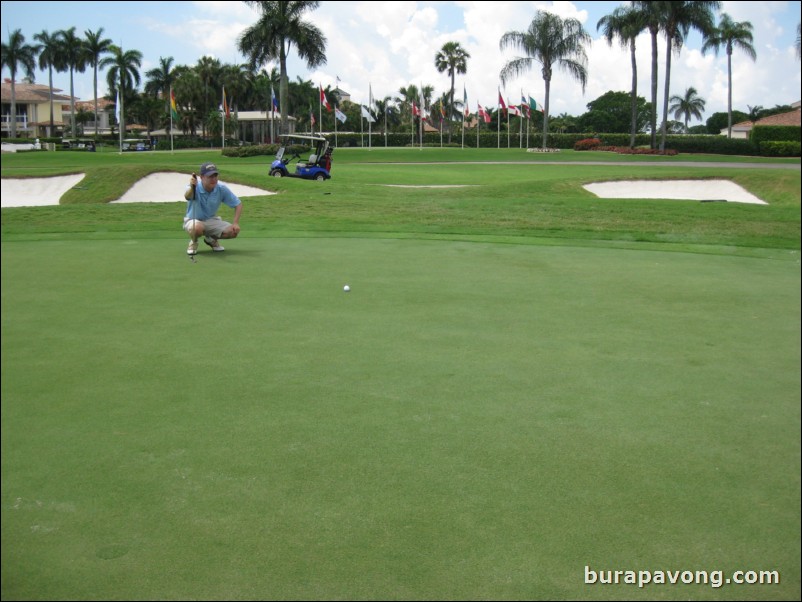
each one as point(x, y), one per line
point(524, 109)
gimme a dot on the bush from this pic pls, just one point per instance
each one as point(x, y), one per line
point(587, 144)
point(779, 148)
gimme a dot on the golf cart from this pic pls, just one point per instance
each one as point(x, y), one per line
point(318, 167)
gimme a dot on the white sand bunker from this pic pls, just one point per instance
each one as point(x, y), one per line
point(697, 190)
point(168, 187)
point(36, 192)
point(163, 187)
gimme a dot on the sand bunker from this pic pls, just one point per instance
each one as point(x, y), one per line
point(164, 187)
point(36, 192)
point(696, 190)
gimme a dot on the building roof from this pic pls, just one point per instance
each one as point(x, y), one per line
point(789, 118)
point(33, 93)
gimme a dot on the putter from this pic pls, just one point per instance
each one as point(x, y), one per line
point(192, 258)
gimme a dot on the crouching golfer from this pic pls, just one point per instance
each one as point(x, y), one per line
point(203, 202)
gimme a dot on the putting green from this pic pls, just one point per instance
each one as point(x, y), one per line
point(472, 420)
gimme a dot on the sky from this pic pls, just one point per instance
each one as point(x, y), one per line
point(383, 46)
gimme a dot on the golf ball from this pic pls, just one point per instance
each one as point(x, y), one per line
point(346, 288)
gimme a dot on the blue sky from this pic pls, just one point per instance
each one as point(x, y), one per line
point(386, 45)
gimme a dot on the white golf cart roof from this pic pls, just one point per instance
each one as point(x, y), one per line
point(301, 137)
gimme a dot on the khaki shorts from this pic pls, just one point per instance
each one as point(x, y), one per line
point(213, 226)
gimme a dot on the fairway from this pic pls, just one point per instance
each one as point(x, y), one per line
point(475, 419)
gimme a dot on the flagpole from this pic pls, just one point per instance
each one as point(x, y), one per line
point(171, 121)
point(120, 115)
point(335, 123)
point(320, 106)
point(223, 119)
point(508, 128)
point(478, 121)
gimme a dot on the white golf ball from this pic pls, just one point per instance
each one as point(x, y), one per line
point(346, 288)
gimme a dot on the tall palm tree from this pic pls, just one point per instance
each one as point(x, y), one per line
point(160, 80)
point(626, 23)
point(73, 53)
point(651, 14)
point(14, 55)
point(452, 58)
point(49, 59)
point(549, 40)
point(96, 47)
point(678, 18)
point(208, 70)
point(730, 34)
point(687, 106)
point(123, 75)
point(281, 25)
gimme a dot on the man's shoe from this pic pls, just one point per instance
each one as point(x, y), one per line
point(214, 244)
point(192, 249)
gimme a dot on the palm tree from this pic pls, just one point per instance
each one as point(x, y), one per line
point(208, 70)
point(14, 55)
point(549, 40)
point(49, 59)
point(690, 105)
point(281, 25)
point(452, 58)
point(626, 23)
point(755, 112)
point(730, 34)
point(96, 46)
point(650, 13)
point(123, 74)
point(678, 18)
point(74, 55)
point(159, 82)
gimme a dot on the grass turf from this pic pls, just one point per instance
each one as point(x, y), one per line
point(483, 415)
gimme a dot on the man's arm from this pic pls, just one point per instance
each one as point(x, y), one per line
point(237, 214)
point(189, 194)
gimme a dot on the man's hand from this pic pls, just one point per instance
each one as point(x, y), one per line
point(190, 193)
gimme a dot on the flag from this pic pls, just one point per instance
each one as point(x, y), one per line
point(117, 108)
point(173, 108)
point(225, 105)
point(533, 105)
point(367, 114)
point(501, 106)
point(465, 101)
point(525, 107)
point(442, 111)
point(323, 100)
point(274, 99)
point(312, 117)
point(415, 110)
point(339, 115)
point(483, 114)
point(514, 110)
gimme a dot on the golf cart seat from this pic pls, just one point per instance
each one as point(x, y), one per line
point(312, 160)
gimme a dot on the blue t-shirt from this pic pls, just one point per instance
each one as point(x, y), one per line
point(206, 204)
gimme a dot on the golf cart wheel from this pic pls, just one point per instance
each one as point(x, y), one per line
point(277, 173)
point(320, 177)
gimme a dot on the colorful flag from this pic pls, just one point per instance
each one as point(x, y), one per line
point(173, 108)
point(465, 101)
point(514, 110)
point(117, 108)
point(442, 111)
point(367, 114)
point(525, 107)
point(323, 100)
point(501, 106)
point(312, 117)
point(533, 105)
point(415, 110)
point(274, 99)
point(225, 105)
point(483, 114)
point(339, 115)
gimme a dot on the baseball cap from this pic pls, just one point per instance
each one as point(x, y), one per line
point(208, 169)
